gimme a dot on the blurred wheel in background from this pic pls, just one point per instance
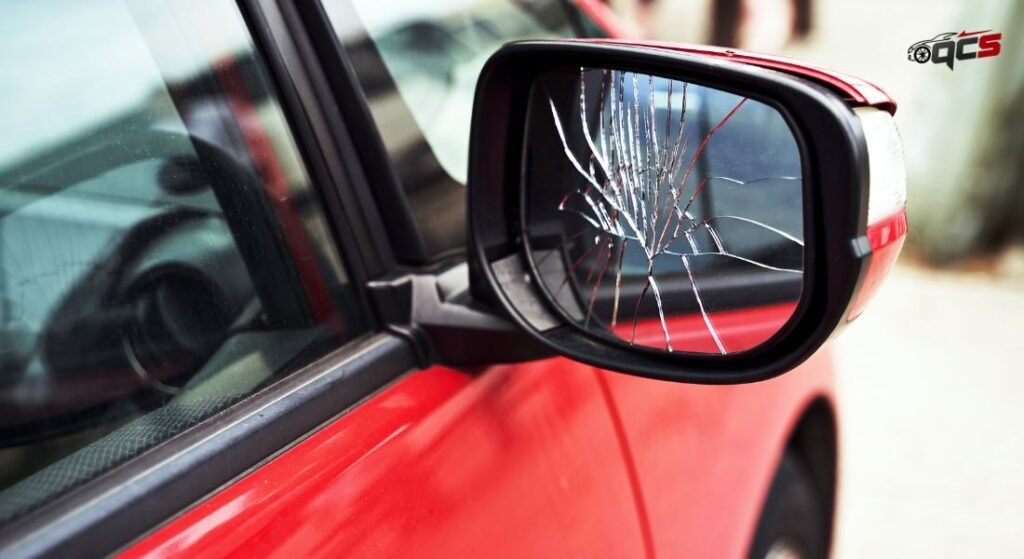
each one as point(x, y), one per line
point(793, 522)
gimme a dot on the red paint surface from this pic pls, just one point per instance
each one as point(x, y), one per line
point(705, 455)
point(520, 462)
point(537, 460)
point(859, 91)
point(886, 239)
point(604, 17)
point(737, 329)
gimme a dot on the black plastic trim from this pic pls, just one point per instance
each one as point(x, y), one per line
point(339, 79)
point(322, 135)
point(446, 326)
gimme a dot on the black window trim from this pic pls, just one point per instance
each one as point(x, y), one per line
point(135, 498)
point(324, 134)
point(338, 82)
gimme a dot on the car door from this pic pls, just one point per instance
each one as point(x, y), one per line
point(510, 463)
point(192, 362)
point(695, 498)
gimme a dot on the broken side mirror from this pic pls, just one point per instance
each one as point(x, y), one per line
point(674, 215)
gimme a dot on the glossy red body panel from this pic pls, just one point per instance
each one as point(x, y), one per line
point(860, 92)
point(738, 330)
point(521, 462)
point(705, 455)
point(886, 238)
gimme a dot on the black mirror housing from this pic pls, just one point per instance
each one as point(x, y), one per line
point(842, 258)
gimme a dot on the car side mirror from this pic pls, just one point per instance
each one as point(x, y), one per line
point(680, 216)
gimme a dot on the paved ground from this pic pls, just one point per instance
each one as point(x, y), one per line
point(931, 382)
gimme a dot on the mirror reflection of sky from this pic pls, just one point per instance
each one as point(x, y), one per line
point(750, 162)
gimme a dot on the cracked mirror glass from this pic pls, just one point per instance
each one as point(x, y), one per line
point(660, 213)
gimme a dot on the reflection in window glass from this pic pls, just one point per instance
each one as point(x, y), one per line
point(434, 51)
point(161, 252)
point(418, 63)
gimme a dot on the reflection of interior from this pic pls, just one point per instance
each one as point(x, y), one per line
point(418, 64)
point(166, 255)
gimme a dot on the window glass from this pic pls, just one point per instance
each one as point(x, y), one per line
point(418, 63)
point(162, 253)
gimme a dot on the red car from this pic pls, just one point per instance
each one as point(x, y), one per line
point(259, 299)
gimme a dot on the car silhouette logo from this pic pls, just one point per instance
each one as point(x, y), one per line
point(921, 51)
point(946, 48)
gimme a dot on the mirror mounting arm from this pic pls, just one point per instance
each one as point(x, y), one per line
point(446, 326)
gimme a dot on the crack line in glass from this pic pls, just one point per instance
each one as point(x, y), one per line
point(624, 175)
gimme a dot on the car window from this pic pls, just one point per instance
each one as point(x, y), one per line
point(162, 251)
point(418, 63)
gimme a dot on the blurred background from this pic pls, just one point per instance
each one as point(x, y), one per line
point(930, 378)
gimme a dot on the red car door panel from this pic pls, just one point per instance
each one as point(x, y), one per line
point(521, 461)
point(705, 455)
